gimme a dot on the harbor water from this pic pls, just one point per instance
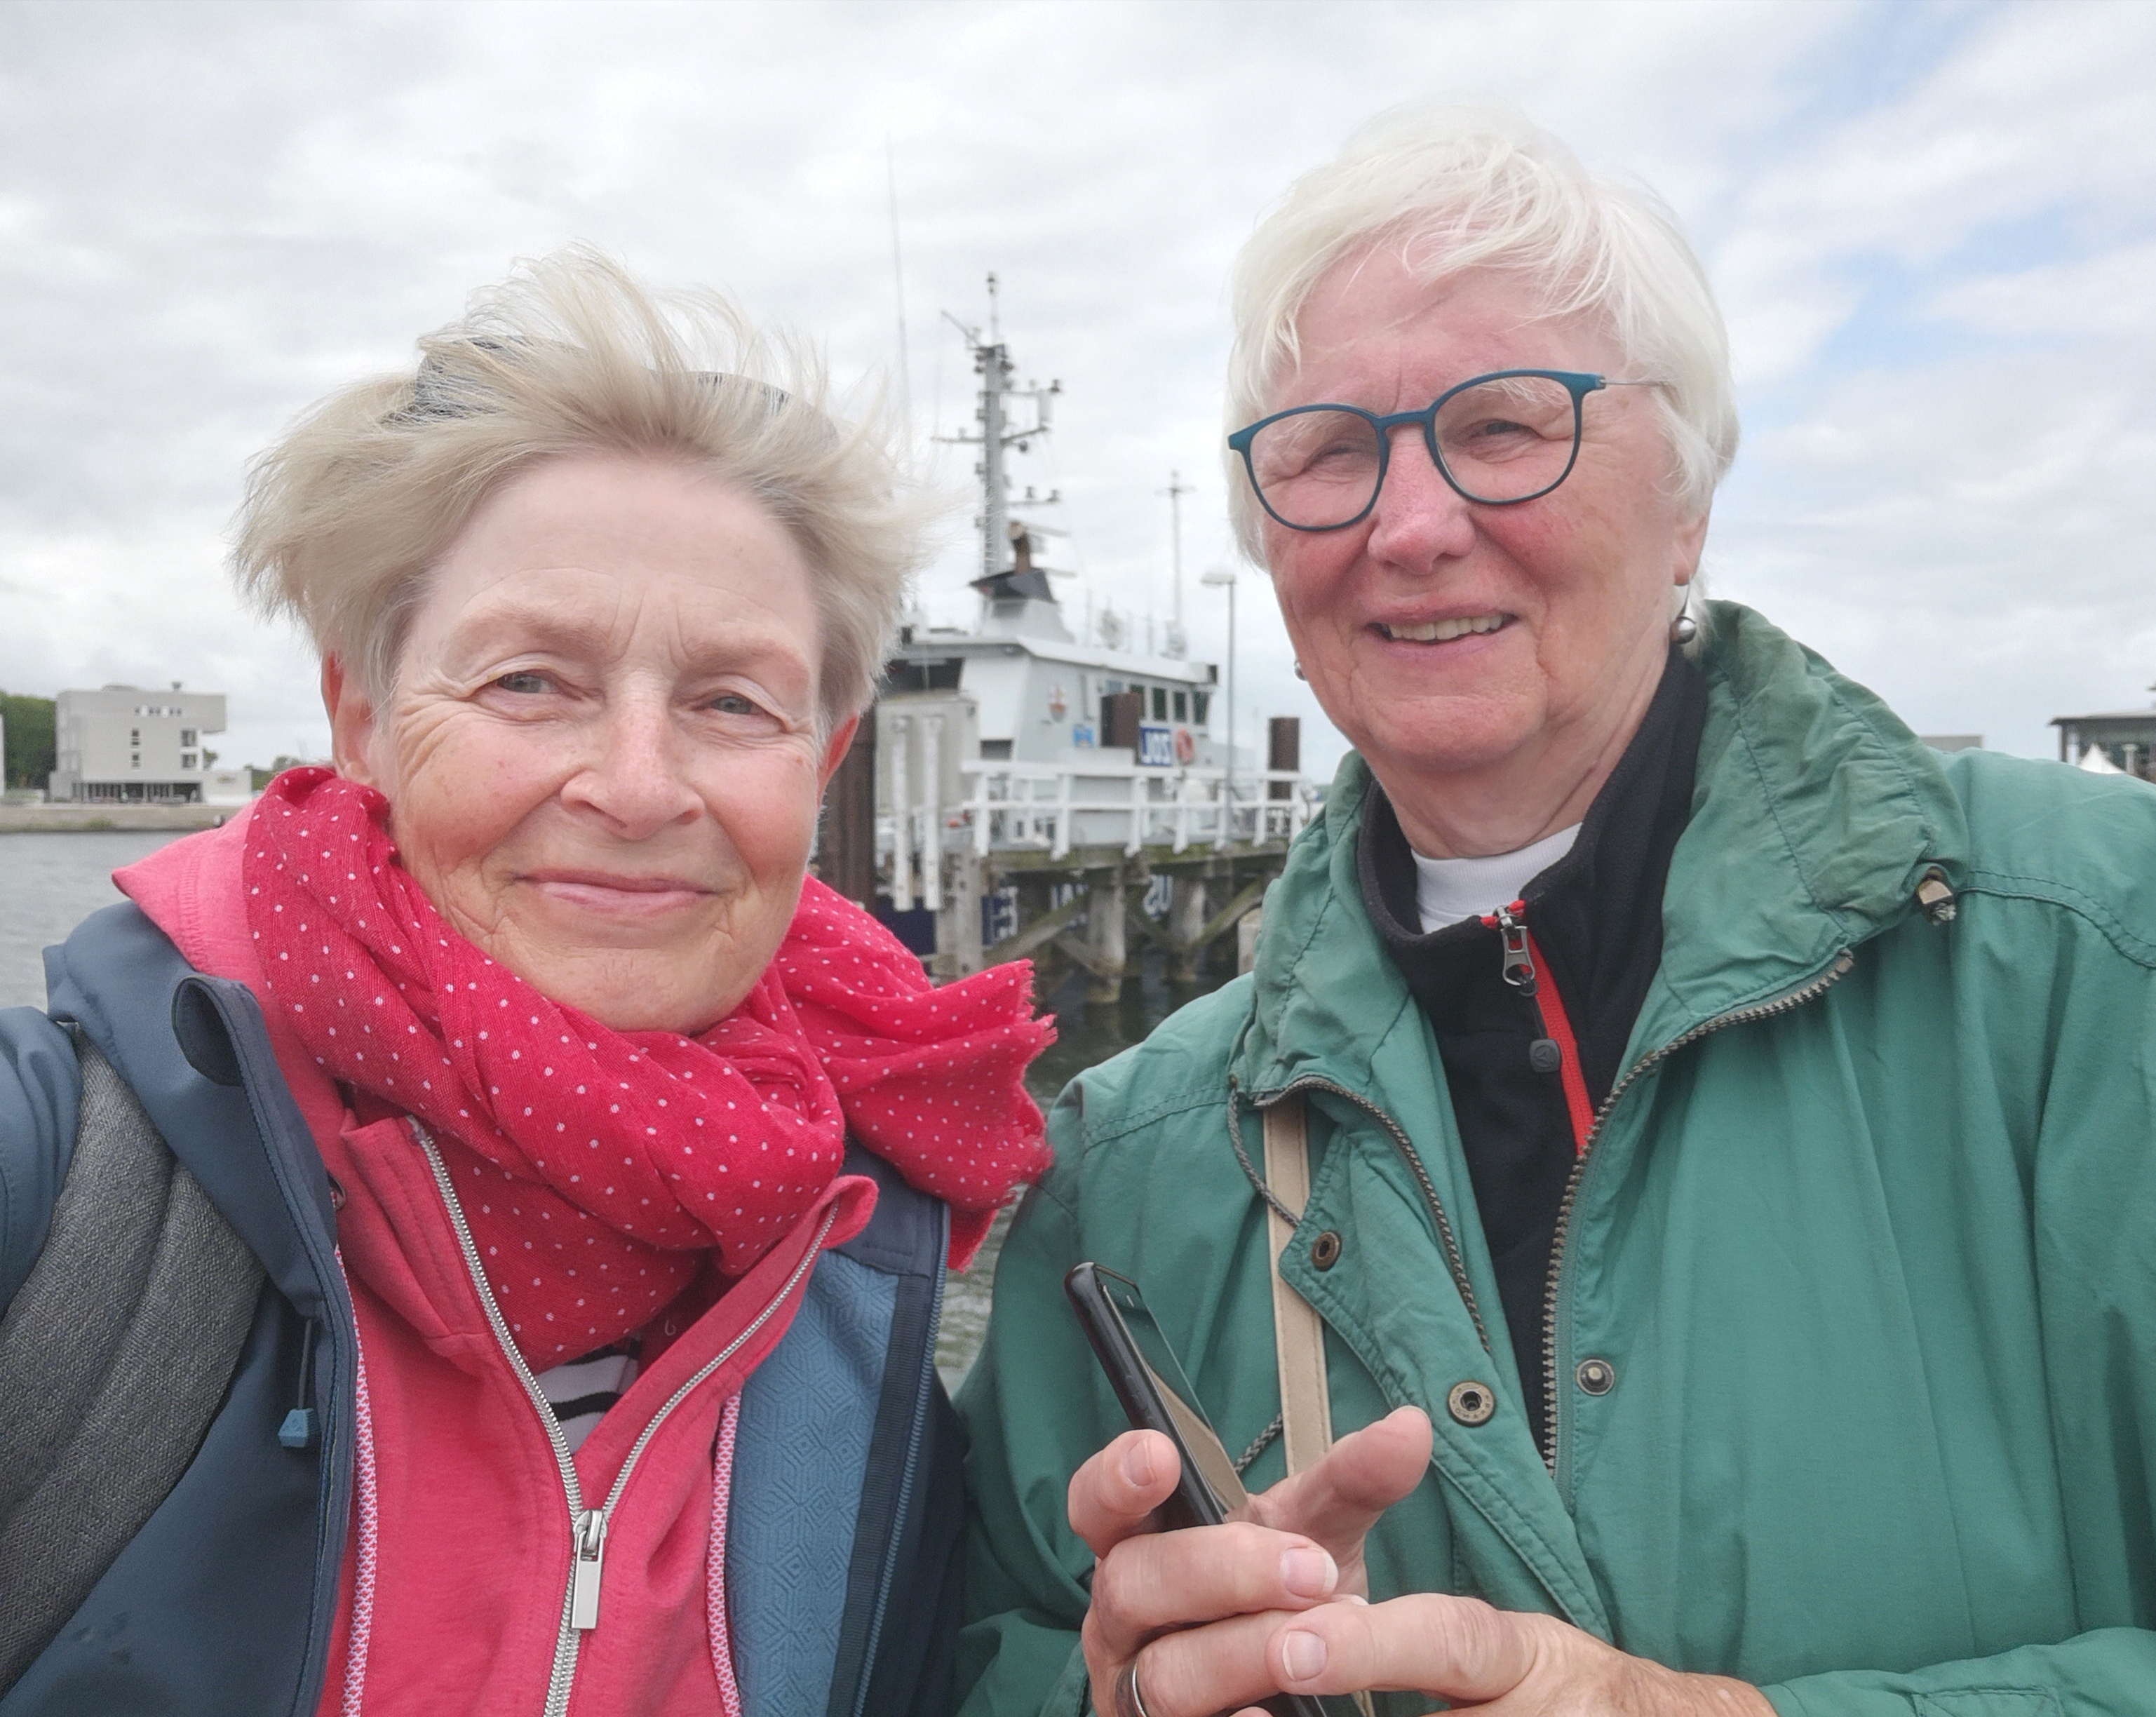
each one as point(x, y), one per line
point(49, 883)
point(1085, 1034)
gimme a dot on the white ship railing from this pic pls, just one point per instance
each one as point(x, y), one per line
point(1050, 808)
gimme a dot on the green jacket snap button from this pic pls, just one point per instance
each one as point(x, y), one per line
point(1471, 1403)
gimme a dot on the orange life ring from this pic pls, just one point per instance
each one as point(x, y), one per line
point(1185, 747)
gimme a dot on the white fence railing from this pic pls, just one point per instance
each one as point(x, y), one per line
point(1050, 808)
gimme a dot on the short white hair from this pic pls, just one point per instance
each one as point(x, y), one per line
point(1451, 189)
point(345, 516)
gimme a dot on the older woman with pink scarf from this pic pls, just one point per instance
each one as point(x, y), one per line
point(520, 1192)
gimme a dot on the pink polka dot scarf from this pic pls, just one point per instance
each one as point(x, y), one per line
point(598, 1169)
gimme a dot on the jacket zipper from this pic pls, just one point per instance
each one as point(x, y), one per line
point(587, 1527)
point(1781, 1004)
point(1523, 963)
point(923, 1404)
point(1453, 1260)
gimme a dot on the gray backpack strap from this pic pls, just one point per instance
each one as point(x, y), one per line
point(114, 1357)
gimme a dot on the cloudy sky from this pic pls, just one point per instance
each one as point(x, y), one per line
point(1932, 228)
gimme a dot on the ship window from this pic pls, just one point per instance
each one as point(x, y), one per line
point(1182, 706)
point(995, 750)
point(937, 674)
point(1198, 702)
point(1160, 703)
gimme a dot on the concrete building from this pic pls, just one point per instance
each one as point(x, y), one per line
point(122, 745)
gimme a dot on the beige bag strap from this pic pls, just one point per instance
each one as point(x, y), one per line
point(1298, 1332)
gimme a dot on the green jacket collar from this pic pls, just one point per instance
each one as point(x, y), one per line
point(1816, 814)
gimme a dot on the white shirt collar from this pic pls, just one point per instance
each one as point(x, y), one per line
point(1449, 889)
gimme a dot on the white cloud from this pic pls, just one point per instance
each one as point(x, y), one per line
point(211, 215)
point(2111, 294)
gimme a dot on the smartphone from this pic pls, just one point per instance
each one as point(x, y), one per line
point(1155, 1396)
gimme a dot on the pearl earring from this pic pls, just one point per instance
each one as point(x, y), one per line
point(1683, 630)
point(1299, 673)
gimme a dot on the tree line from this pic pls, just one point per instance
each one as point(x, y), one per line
point(33, 746)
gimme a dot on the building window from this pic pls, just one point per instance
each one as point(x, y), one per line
point(134, 736)
point(1160, 703)
point(1182, 706)
point(187, 738)
point(187, 759)
point(135, 762)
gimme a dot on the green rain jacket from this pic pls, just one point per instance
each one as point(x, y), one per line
point(1866, 1231)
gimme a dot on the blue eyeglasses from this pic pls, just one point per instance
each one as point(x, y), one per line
point(1501, 439)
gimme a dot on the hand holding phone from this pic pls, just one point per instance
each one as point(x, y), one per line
point(1155, 1395)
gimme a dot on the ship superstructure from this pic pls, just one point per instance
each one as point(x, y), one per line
point(1028, 776)
point(1040, 692)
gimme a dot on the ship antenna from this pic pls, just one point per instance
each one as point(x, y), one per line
point(898, 285)
point(1176, 489)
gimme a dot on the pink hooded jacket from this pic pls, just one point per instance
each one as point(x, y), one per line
point(465, 1589)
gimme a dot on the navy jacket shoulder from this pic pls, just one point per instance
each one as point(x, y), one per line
point(155, 1634)
point(40, 1089)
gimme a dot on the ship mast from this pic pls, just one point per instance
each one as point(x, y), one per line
point(994, 363)
point(991, 362)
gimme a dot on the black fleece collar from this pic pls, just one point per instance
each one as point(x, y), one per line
point(1596, 914)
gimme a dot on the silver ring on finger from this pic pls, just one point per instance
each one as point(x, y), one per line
point(1129, 1701)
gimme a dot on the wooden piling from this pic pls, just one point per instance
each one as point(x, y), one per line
point(1106, 944)
point(845, 851)
point(1186, 927)
point(959, 925)
point(1283, 751)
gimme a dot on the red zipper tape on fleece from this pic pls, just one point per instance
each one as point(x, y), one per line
point(1557, 1025)
point(1523, 971)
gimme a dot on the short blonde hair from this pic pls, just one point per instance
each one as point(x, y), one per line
point(1454, 189)
point(347, 513)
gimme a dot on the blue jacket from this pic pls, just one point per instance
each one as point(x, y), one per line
point(842, 1578)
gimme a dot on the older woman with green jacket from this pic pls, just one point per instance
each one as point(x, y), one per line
point(1729, 1126)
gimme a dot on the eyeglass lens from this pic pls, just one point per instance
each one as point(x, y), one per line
point(1500, 440)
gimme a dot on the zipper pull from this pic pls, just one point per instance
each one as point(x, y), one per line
point(589, 1543)
point(1519, 963)
point(298, 1430)
point(1510, 922)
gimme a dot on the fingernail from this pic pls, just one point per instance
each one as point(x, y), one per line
point(1302, 1655)
point(1308, 1572)
point(1137, 1463)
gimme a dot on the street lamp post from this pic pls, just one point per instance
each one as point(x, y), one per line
point(1224, 577)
